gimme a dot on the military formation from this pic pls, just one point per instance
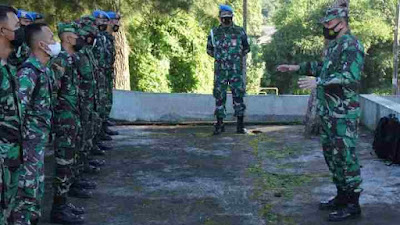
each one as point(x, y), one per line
point(56, 94)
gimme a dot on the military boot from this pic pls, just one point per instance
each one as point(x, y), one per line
point(97, 162)
point(91, 169)
point(219, 127)
point(76, 192)
point(105, 137)
point(110, 123)
point(62, 214)
point(97, 151)
point(104, 147)
point(240, 125)
point(335, 203)
point(110, 132)
point(75, 209)
point(84, 183)
point(351, 210)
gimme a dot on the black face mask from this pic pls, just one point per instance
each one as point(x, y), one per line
point(331, 34)
point(89, 39)
point(19, 37)
point(102, 27)
point(115, 28)
point(80, 43)
point(227, 21)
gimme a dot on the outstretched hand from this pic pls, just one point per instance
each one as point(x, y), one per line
point(287, 68)
point(307, 82)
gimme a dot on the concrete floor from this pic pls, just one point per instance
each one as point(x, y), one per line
point(181, 175)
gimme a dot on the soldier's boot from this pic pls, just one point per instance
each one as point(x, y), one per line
point(90, 169)
point(85, 184)
point(219, 127)
point(339, 201)
point(62, 214)
point(104, 147)
point(80, 193)
point(108, 130)
point(97, 162)
point(105, 137)
point(76, 209)
point(110, 123)
point(97, 151)
point(350, 211)
point(240, 125)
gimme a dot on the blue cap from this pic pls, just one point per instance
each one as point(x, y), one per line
point(32, 16)
point(100, 14)
point(113, 15)
point(225, 8)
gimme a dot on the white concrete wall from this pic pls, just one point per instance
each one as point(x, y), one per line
point(374, 107)
point(152, 107)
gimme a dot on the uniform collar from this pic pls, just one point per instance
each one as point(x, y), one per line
point(36, 63)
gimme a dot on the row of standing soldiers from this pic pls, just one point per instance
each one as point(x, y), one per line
point(53, 92)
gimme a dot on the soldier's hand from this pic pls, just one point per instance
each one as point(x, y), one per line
point(307, 82)
point(287, 68)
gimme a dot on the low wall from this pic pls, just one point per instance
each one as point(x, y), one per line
point(152, 107)
point(374, 107)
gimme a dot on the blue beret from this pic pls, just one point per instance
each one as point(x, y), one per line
point(226, 8)
point(24, 14)
point(36, 16)
point(113, 15)
point(101, 14)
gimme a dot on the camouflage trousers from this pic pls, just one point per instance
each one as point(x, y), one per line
point(236, 85)
point(102, 88)
point(66, 129)
point(31, 183)
point(9, 178)
point(339, 138)
point(110, 87)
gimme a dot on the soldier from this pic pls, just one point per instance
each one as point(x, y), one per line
point(66, 124)
point(337, 83)
point(228, 44)
point(35, 89)
point(11, 37)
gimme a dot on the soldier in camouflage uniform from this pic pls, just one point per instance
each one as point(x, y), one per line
point(10, 113)
point(337, 83)
point(66, 124)
point(228, 44)
point(35, 91)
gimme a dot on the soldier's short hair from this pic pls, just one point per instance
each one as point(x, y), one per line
point(32, 31)
point(4, 9)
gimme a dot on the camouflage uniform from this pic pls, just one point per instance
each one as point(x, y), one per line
point(10, 139)
point(339, 76)
point(228, 45)
point(110, 76)
point(19, 55)
point(36, 106)
point(66, 121)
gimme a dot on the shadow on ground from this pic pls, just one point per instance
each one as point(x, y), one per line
point(181, 175)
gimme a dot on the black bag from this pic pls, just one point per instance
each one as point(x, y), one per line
point(387, 139)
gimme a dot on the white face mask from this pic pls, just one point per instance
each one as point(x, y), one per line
point(55, 49)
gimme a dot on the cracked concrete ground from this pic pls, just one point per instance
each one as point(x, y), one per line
point(181, 175)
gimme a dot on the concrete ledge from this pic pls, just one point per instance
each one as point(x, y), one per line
point(152, 107)
point(374, 107)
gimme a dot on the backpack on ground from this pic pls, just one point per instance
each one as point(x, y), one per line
point(387, 139)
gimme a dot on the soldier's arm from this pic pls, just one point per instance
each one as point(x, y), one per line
point(352, 61)
point(310, 68)
point(210, 47)
point(27, 82)
point(245, 43)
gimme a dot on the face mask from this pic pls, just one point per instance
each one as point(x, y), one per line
point(19, 37)
point(80, 43)
point(331, 34)
point(102, 27)
point(115, 28)
point(227, 21)
point(55, 49)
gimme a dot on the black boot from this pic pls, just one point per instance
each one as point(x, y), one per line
point(80, 193)
point(75, 209)
point(97, 151)
point(105, 137)
point(351, 210)
point(339, 201)
point(219, 127)
point(97, 162)
point(110, 123)
point(240, 125)
point(104, 147)
point(90, 169)
point(62, 214)
point(85, 184)
point(111, 132)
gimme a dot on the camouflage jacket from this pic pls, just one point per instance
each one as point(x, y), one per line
point(87, 84)
point(100, 50)
point(10, 109)
point(19, 55)
point(35, 92)
point(228, 45)
point(66, 75)
point(339, 77)
point(110, 51)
